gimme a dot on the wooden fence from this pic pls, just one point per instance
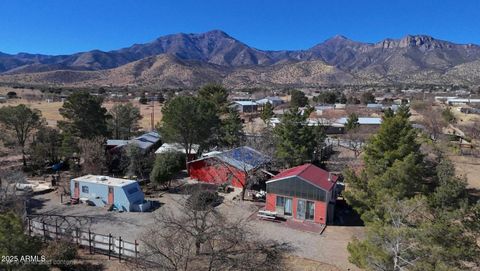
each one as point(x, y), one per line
point(95, 242)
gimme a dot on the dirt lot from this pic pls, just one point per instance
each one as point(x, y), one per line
point(469, 167)
point(311, 251)
point(51, 114)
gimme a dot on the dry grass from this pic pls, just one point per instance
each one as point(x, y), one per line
point(469, 167)
point(51, 114)
point(295, 263)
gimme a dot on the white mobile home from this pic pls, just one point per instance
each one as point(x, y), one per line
point(122, 194)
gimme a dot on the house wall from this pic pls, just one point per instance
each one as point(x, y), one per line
point(320, 208)
point(211, 170)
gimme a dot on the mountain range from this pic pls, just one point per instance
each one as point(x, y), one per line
point(189, 60)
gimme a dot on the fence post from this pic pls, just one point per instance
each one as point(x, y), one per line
point(56, 229)
point(44, 231)
point(109, 244)
point(120, 248)
point(77, 237)
point(29, 226)
point(136, 253)
point(89, 241)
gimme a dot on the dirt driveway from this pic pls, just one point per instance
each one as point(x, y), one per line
point(328, 248)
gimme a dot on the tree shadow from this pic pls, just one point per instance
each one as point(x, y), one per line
point(154, 205)
point(35, 204)
point(473, 194)
point(345, 215)
point(87, 267)
point(188, 189)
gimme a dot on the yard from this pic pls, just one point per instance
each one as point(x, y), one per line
point(50, 110)
point(311, 251)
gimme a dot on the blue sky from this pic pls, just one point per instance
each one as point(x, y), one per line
point(67, 26)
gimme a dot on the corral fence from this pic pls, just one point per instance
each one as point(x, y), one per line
point(114, 247)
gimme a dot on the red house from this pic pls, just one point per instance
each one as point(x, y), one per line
point(305, 193)
point(231, 166)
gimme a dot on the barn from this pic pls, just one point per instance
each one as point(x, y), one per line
point(231, 166)
point(304, 193)
point(121, 194)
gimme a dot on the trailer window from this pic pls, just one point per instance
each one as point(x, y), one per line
point(84, 189)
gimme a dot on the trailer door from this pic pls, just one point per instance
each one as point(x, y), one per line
point(76, 190)
point(110, 195)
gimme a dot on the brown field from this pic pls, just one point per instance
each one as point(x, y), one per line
point(469, 167)
point(51, 114)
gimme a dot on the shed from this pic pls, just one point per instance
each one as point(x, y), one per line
point(101, 191)
point(230, 166)
point(177, 147)
point(245, 106)
point(273, 100)
point(305, 193)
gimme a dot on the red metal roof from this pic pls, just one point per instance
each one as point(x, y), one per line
point(311, 174)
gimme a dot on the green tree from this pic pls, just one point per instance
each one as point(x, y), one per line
point(394, 167)
point(165, 167)
point(296, 141)
point(45, 149)
point(326, 97)
point(231, 130)
point(124, 120)
point(190, 120)
point(352, 122)
point(143, 99)
point(69, 145)
point(448, 115)
point(215, 93)
point(367, 97)
point(23, 121)
point(267, 113)
point(15, 243)
point(12, 95)
point(84, 115)
point(298, 98)
point(139, 162)
point(410, 226)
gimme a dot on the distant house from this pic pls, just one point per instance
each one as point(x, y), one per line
point(273, 100)
point(147, 142)
point(305, 193)
point(245, 106)
point(227, 167)
point(362, 121)
point(460, 101)
point(177, 147)
point(122, 194)
point(116, 143)
point(377, 107)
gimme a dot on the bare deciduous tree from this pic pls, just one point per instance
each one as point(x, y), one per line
point(92, 152)
point(206, 240)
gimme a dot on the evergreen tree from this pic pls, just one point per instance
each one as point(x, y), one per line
point(298, 99)
point(215, 93)
point(352, 122)
point(231, 131)
point(165, 167)
point(190, 120)
point(410, 227)
point(84, 114)
point(267, 113)
point(296, 141)
point(124, 120)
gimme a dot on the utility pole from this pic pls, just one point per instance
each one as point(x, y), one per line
point(153, 115)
